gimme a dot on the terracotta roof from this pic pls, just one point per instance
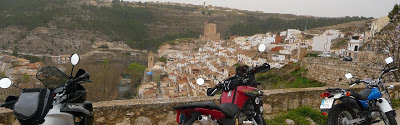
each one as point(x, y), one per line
point(277, 48)
point(22, 60)
point(182, 81)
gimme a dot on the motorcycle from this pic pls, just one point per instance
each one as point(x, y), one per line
point(239, 104)
point(372, 105)
point(61, 102)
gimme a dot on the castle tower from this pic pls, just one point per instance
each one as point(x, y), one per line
point(150, 60)
point(210, 32)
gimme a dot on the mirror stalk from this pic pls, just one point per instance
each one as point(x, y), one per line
point(17, 87)
point(70, 77)
point(255, 55)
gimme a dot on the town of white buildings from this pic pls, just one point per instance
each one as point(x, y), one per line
point(216, 59)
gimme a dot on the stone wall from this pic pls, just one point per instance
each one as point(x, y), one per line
point(159, 111)
point(332, 71)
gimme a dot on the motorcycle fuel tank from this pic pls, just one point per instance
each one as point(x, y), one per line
point(375, 94)
point(236, 96)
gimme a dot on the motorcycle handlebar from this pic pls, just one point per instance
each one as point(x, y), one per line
point(356, 82)
point(263, 68)
point(212, 91)
point(6, 104)
point(80, 78)
point(390, 69)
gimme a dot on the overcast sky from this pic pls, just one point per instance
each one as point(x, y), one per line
point(320, 8)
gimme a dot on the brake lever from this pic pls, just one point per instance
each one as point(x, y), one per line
point(352, 85)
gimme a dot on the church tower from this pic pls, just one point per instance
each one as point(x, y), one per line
point(150, 60)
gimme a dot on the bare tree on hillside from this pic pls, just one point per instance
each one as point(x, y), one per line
point(388, 39)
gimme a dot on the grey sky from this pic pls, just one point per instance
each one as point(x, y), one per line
point(320, 8)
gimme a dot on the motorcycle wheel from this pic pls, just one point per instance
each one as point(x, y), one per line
point(339, 114)
point(389, 118)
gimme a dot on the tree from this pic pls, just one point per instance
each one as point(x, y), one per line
point(393, 13)
point(388, 39)
point(2, 75)
point(26, 78)
point(136, 70)
point(15, 51)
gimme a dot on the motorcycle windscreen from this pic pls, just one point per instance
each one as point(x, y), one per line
point(52, 77)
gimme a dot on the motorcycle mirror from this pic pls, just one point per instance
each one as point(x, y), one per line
point(390, 87)
point(348, 76)
point(74, 59)
point(261, 48)
point(5, 83)
point(200, 81)
point(389, 60)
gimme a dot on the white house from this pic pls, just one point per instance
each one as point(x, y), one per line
point(291, 32)
point(322, 43)
point(276, 65)
point(278, 58)
point(354, 45)
point(245, 47)
point(283, 33)
point(285, 51)
point(240, 40)
point(268, 40)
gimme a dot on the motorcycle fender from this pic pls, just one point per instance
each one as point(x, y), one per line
point(349, 102)
point(384, 105)
point(75, 108)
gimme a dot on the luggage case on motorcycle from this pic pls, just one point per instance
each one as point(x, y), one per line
point(33, 105)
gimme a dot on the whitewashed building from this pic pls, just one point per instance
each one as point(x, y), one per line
point(322, 43)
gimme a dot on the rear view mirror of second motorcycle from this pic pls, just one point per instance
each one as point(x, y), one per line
point(5, 83)
point(389, 60)
point(261, 48)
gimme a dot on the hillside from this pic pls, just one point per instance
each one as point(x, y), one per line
point(61, 26)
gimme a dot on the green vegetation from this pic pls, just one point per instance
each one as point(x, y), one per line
point(120, 22)
point(396, 103)
point(136, 71)
point(28, 13)
point(255, 25)
point(32, 59)
point(312, 55)
point(392, 14)
point(289, 76)
point(26, 78)
point(162, 59)
point(299, 116)
point(174, 42)
point(2, 75)
point(131, 24)
point(104, 46)
point(340, 43)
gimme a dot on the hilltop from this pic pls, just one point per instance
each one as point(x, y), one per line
point(61, 26)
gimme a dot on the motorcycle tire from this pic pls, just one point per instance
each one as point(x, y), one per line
point(340, 110)
point(390, 118)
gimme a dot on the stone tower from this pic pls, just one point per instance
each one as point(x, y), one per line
point(150, 60)
point(210, 32)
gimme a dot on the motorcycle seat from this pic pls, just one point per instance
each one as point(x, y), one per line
point(363, 95)
point(228, 109)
